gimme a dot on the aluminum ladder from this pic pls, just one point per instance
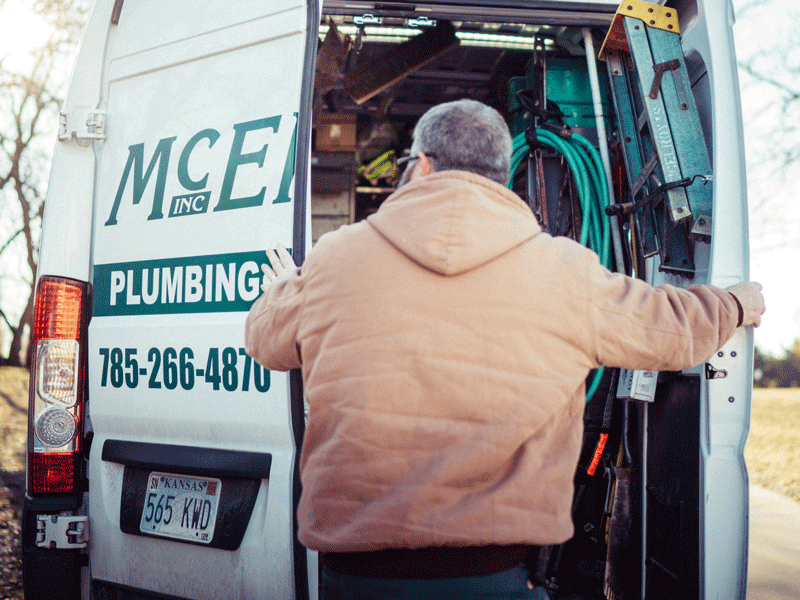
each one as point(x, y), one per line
point(666, 157)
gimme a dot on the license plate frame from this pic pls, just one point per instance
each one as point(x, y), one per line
point(181, 507)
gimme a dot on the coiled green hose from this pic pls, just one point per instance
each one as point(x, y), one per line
point(587, 170)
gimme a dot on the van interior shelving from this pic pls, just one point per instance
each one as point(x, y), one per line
point(485, 53)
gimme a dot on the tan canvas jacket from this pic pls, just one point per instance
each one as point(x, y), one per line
point(444, 344)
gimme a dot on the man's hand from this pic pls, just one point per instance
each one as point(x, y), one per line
point(749, 295)
point(282, 266)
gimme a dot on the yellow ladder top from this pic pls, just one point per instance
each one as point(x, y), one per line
point(652, 15)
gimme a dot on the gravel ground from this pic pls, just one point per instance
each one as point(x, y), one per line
point(13, 425)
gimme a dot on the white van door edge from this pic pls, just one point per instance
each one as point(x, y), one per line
point(305, 571)
point(725, 400)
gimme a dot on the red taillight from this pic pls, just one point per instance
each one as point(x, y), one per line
point(52, 472)
point(55, 421)
point(59, 307)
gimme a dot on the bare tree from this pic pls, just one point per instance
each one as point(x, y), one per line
point(772, 66)
point(768, 49)
point(30, 100)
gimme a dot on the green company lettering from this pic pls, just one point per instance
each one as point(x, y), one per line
point(212, 135)
point(136, 162)
point(197, 201)
point(193, 284)
point(288, 169)
point(236, 158)
point(184, 368)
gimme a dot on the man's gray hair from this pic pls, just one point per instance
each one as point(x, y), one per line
point(465, 135)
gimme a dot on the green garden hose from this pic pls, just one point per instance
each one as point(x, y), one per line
point(587, 170)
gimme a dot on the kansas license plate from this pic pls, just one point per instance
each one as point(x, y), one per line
point(181, 507)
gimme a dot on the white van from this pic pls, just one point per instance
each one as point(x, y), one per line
point(163, 461)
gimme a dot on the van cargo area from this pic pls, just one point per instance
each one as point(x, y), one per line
point(379, 68)
point(378, 72)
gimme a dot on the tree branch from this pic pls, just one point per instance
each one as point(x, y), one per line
point(5, 318)
point(792, 95)
point(11, 239)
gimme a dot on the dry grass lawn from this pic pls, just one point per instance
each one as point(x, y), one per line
point(773, 448)
point(13, 440)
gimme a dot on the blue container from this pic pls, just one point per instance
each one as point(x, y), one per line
point(568, 85)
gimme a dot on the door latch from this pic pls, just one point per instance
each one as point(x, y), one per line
point(62, 531)
point(714, 373)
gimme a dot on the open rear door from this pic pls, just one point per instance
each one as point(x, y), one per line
point(193, 466)
point(707, 40)
point(684, 531)
point(691, 476)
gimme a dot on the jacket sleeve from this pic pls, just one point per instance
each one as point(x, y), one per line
point(664, 328)
point(270, 331)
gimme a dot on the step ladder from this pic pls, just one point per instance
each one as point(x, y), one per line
point(669, 179)
point(666, 157)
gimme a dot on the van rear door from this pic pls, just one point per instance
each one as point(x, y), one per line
point(193, 461)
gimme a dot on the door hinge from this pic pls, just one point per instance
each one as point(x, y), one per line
point(82, 122)
point(62, 531)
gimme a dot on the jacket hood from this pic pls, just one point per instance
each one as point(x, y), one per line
point(454, 221)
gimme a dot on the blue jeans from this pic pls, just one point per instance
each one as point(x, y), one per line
point(506, 585)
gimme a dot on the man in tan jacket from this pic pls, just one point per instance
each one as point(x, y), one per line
point(445, 342)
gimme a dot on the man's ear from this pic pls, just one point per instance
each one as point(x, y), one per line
point(425, 165)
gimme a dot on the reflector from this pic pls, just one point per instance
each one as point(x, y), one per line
point(52, 472)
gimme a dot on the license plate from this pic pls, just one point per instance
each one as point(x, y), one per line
point(181, 507)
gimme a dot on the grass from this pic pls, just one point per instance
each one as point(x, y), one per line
point(13, 418)
point(773, 448)
point(13, 440)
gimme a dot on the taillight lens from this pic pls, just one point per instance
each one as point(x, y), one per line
point(58, 370)
point(53, 472)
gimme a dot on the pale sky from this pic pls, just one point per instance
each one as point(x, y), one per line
point(772, 190)
point(20, 30)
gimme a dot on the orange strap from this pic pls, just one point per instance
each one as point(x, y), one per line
point(598, 454)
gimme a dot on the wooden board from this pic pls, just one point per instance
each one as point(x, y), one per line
point(375, 76)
